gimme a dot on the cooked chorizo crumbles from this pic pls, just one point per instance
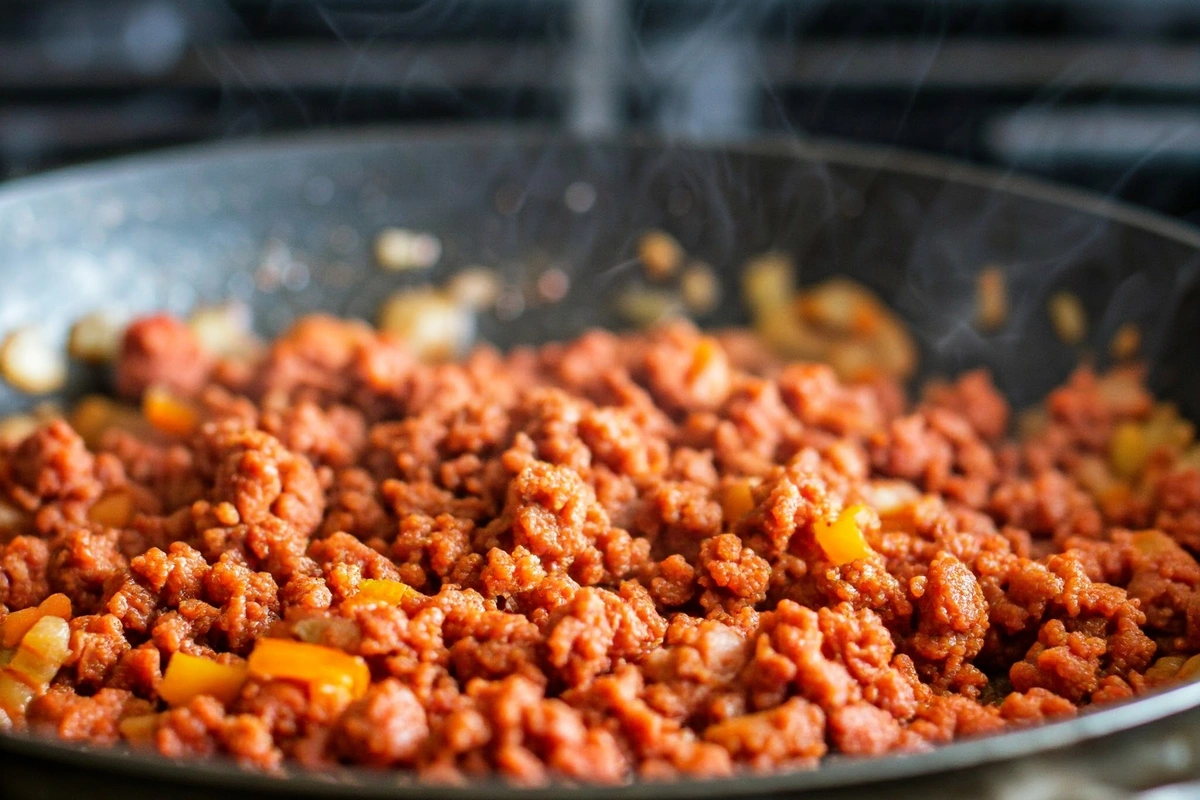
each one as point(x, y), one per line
point(631, 556)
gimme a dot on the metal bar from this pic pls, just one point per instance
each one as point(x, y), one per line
point(600, 37)
point(1087, 134)
point(309, 65)
point(964, 63)
point(960, 63)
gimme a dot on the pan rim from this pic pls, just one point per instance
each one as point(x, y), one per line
point(837, 151)
point(844, 773)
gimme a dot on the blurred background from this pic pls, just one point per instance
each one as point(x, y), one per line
point(1099, 93)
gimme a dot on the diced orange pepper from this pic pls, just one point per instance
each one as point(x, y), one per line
point(112, 510)
point(386, 591)
point(319, 667)
point(18, 623)
point(189, 676)
point(139, 729)
point(56, 605)
point(15, 625)
point(168, 413)
point(705, 351)
point(737, 499)
point(843, 540)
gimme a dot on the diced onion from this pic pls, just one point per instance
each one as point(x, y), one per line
point(19, 623)
point(475, 287)
point(30, 364)
point(95, 338)
point(991, 310)
point(399, 249)
point(700, 288)
point(1068, 317)
point(660, 254)
point(432, 324)
point(42, 652)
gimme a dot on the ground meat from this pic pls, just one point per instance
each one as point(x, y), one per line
point(792, 733)
point(92, 718)
point(863, 729)
point(260, 478)
point(731, 575)
point(97, 644)
point(247, 603)
point(161, 351)
point(952, 614)
point(83, 563)
point(202, 728)
point(23, 564)
point(597, 628)
point(628, 556)
point(52, 470)
point(386, 727)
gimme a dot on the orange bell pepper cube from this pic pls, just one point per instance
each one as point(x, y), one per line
point(189, 676)
point(168, 413)
point(843, 540)
point(386, 591)
point(322, 668)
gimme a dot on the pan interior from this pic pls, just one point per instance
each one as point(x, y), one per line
point(289, 228)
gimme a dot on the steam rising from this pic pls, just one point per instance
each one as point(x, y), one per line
point(718, 71)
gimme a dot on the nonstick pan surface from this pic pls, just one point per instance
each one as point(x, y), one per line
point(287, 226)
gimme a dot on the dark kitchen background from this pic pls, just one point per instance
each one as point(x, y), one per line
point(1100, 93)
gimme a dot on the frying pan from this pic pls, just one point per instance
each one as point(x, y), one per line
point(287, 226)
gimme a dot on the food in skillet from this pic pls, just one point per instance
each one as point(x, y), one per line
point(649, 555)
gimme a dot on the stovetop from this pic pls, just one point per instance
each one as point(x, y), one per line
point(1101, 93)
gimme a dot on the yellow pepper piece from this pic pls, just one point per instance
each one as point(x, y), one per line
point(139, 729)
point(1154, 543)
point(1165, 668)
point(324, 669)
point(189, 676)
point(1165, 428)
point(18, 623)
point(112, 510)
point(1189, 670)
point(737, 499)
point(1127, 450)
point(843, 540)
point(168, 413)
point(386, 591)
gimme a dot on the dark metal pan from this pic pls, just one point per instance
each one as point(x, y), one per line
point(288, 227)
